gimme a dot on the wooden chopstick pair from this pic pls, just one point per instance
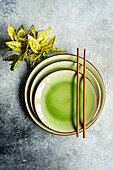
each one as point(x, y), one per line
point(84, 90)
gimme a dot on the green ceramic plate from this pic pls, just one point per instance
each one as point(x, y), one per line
point(55, 101)
point(64, 65)
point(39, 67)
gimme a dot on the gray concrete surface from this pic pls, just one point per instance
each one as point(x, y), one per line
point(76, 23)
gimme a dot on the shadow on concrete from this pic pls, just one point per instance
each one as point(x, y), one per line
point(3, 46)
point(22, 88)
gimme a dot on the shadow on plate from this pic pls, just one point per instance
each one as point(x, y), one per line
point(74, 102)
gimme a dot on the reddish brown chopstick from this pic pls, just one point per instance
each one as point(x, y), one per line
point(84, 101)
point(77, 92)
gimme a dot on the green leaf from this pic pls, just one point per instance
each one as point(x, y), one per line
point(16, 31)
point(8, 49)
point(11, 58)
point(45, 54)
point(20, 36)
point(48, 50)
point(21, 27)
point(57, 49)
point(22, 39)
point(10, 30)
point(15, 59)
point(21, 33)
point(42, 34)
point(22, 55)
point(44, 42)
point(48, 45)
point(14, 64)
point(17, 46)
point(32, 31)
point(34, 44)
point(36, 34)
point(27, 48)
point(15, 37)
point(34, 56)
point(31, 38)
point(29, 51)
point(24, 44)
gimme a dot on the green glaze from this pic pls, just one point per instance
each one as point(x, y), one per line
point(54, 100)
point(58, 101)
point(43, 65)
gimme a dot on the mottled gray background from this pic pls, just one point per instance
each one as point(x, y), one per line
point(76, 23)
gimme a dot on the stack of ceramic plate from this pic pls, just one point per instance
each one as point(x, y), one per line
point(51, 92)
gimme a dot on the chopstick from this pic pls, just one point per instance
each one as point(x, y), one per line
point(77, 92)
point(84, 96)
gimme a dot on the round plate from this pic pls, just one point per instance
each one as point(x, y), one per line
point(55, 101)
point(63, 65)
point(52, 59)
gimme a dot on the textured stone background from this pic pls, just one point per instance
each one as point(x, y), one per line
point(76, 23)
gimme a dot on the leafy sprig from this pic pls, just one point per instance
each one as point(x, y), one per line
point(32, 45)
